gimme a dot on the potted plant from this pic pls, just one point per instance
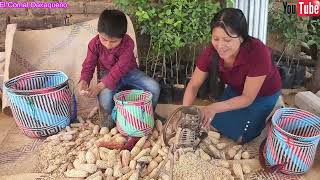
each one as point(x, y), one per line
point(171, 25)
point(295, 33)
point(178, 88)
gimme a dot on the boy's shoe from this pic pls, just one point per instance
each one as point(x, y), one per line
point(107, 122)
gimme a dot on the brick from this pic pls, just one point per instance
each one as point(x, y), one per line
point(39, 11)
point(38, 22)
point(73, 8)
point(55, 21)
point(78, 18)
point(2, 11)
point(3, 23)
point(14, 11)
point(97, 7)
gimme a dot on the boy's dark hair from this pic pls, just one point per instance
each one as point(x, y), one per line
point(231, 19)
point(112, 23)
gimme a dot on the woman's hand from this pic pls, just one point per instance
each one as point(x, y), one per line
point(207, 115)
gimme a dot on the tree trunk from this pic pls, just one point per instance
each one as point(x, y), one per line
point(315, 83)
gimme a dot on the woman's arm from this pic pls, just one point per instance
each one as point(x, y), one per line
point(193, 86)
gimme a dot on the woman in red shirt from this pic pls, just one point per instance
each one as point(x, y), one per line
point(245, 65)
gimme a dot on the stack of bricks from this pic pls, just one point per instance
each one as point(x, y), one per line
point(32, 18)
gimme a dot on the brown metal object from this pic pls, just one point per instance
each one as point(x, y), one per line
point(186, 130)
point(185, 133)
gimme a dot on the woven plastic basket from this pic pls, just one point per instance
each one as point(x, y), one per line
point(37, 82)
point(40, 102)
point(134, 112)
point(292, 140)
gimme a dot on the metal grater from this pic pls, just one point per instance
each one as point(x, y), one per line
point(187, 128)
point(187, 138)
point(186, 132)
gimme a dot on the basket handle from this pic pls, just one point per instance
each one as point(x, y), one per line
point(168, 122)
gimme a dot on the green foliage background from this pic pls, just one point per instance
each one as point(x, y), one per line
point(171, 25)
point(292, 28)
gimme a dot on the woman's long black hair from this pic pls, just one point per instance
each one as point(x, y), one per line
point(232, 21)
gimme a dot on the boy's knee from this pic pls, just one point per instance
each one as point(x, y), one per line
point(150, 85)
point(155, 91)
point(154, 86)
point(157, 87)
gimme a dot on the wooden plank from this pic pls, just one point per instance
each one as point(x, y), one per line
point(308, 101)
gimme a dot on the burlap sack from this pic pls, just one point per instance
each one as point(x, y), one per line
point(62, 48)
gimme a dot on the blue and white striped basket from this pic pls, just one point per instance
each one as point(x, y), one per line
point(40, 102)
point(37, 82)
point(292, 140)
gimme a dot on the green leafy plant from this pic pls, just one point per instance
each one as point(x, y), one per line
point(172, 25)
point(314, 32)
point(293, 29)
point(229, 3)
point(296, 33)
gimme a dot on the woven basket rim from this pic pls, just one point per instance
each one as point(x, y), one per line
point(290, 134)
point(137, 102)
point(39, 94)
point(8, 88)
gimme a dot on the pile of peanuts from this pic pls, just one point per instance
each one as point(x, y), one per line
point(75, 152)
point(190, 167)
point(212, 153)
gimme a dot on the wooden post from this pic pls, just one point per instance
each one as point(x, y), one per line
point(308, 101)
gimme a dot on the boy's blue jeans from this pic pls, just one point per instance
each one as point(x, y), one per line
point(135, 79)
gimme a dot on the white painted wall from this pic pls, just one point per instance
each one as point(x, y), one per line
point(256, 12)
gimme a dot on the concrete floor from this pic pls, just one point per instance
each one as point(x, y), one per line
point(7, 123)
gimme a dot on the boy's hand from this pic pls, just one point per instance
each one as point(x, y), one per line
point(95, 90)
point(82, 88)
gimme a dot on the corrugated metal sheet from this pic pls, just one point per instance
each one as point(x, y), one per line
point(256, 12)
